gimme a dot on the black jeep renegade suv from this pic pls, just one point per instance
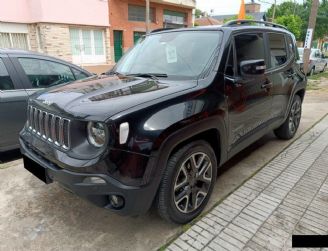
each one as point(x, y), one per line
point(159, 124)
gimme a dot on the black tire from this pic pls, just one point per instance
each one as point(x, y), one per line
point(289, 128)
point(167, 205)
point(312, 72)
point(324, 68)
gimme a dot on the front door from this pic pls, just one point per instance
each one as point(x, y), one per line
point(13, 103)
point(249, 98)
point(118, 45)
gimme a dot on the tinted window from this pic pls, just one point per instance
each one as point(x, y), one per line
point(138, 13)
point(79, 74)
point(229, 68)
point(44, 73)
point(5, 80)
point(249, 47)
point(278, 52)
point(291, 47)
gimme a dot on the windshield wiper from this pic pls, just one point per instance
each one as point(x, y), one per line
point(154, 76)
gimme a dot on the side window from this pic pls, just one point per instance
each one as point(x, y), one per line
point(79, 74)
point(249, 47)
point(44, 73)
point(229, 68)
point(5, 81)
point(291, 47)
point(278, 52)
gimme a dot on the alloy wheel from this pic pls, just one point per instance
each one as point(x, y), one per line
point(295, 116)
point(193, 182)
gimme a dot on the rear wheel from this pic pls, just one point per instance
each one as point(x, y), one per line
point(288, 129)
point(324, 68)
point(187, 182)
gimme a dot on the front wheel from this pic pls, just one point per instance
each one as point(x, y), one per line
point(187, 182)
point(288, 129)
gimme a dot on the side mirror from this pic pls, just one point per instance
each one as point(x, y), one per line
point(252, 67)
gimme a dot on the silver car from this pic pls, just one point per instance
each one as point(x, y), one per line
point(317, 62)
point(21, 74)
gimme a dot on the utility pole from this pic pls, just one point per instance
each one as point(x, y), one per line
point(274, 10)
point(309, 34)
point(147, 16)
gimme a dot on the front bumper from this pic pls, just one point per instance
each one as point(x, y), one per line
point(137, 200)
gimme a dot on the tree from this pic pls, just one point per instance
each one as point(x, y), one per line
point(293, 24)
point(199, 13)
point(292, 8)
point(236, 18)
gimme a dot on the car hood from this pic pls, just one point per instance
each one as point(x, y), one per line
point(104, 96)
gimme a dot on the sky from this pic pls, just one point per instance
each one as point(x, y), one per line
point(222, 7)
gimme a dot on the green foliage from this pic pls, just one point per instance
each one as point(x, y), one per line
point(292, 9)
point(236, 17)
point(199, 13)
point(293, 24)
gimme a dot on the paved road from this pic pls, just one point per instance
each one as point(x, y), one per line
point(34, 216)
point(288, 196)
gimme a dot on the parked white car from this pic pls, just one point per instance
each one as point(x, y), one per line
point(317, 63)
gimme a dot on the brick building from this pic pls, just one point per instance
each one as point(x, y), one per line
point(83, 32)
point(127, 19)
point(73, 30)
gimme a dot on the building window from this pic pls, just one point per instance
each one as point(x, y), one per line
point(138, 13)
point(87, 46)
point(174, 19)
point(14, 40)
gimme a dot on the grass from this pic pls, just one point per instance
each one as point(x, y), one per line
point(312, 86)
point(319, 76)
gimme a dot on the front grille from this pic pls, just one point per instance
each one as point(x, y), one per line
point(50, 127)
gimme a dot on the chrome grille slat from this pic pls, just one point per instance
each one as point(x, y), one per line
point(50, 127)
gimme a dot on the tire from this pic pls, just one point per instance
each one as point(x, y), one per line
point(182, 179)
point(312, 72)
point(324, 68)
point(289, 128)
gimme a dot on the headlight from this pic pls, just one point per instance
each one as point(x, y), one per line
point(96, 134)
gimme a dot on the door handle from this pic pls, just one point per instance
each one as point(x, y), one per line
point(267, 85)
point(234, 81)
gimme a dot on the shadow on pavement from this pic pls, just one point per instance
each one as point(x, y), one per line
point(10, 156)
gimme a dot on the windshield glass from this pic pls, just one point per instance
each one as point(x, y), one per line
point(300, 51)
point(183, 54)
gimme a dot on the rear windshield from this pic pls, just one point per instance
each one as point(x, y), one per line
point(182, 53)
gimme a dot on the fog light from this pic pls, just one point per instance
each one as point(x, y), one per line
point(116, 201)
point(94, 180)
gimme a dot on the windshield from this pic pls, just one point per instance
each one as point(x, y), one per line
point(183, 54)
point(300, 51)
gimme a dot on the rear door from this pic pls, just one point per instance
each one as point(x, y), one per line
point(280, 71)
point(249, 98)
point(13, 102)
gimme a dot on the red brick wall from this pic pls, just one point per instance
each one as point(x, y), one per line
point(118, 19)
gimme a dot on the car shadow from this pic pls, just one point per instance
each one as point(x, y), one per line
point(245, 153)
point(9, 156)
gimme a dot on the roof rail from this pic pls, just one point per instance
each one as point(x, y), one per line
point(161, 29)
point(248, 21)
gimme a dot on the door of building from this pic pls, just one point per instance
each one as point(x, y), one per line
point(118, 45)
